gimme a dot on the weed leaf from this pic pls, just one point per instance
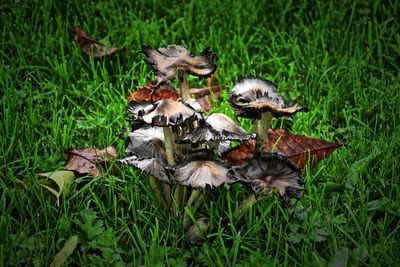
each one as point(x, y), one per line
point(65, 252)
point(61, 178)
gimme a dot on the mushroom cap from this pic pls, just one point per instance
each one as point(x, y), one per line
point(252, 96)
point(167, 61)
point(266, 171)
point(227, 127)
point(151, 166)
point(147, 142)
point(169, 113)
point(201, 134)
point(138, 110)
point(201, 169)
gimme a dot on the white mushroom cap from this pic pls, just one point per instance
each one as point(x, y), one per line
point(200, 170)
point(227, 127)
point(152, 166)
point(169, 113)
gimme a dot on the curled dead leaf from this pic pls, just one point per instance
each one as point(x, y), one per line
point(90, 46)
point(89, 160)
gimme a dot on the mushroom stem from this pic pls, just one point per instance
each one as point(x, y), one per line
point(262, 130)
point(184, 87)
point(169, 146)
point(178, 193)
point(193, 197)
point(156, 189)
point(245, 206)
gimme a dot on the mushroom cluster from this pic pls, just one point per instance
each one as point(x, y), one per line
point(181, 149)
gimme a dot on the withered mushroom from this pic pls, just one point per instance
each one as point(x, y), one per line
point(201, 169)
point(266, 171)
point(228, 127)
point(258, 99)
point(177, 60)
point(169, 113)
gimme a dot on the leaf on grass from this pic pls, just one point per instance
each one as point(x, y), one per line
point(89, 160)
point(89, 46)
point(299, 149)
point(61, 178)
point(149, 94)
point(65, 252)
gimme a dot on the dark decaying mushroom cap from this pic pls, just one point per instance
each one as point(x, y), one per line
point(201, 169)
point(169, 113)
point(138, 110)
point(167, 61)
point(266, 171)
point(228, 128)
point(251, 97)
point(201, 134)
point(151, 166)
point(147, 142)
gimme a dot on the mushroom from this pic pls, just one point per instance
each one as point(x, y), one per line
point(258, 99)
point(177, 60)
point(266, 171)
point(169, 113)
point(228, 127)
point(152, 166)
point(146, 142)
point(201, 169)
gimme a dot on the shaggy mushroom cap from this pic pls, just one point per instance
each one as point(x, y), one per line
point(167, 61)
point(147, 142)
point(227, 128)
point(151, 166)
point(200, 169)
point(138, 110)
point(266, 171)
point(251, 97)
point(169, 113)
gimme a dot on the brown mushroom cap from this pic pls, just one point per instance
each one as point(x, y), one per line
point(147, 142)
point(152, 166)
point(251, 97)
point(266, 171)
point(167, 61)
point(169, 113)
point(200, 169)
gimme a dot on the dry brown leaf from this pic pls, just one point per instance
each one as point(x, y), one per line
point(145, 93)
point(299, 149)
point(204, 96)
point(89, 46)
point(88, 160)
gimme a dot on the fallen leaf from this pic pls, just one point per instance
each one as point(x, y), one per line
point(299, 149)
point(88, 160)
point(61, 178)
point(65, 252)
point(207, 96)
point(148, 94)
point(89, 46)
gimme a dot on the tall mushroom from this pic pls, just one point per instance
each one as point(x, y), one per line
point(176, 60)
point(258, 99)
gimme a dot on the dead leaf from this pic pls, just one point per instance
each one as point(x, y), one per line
point(299, 149)
point(207, 96)
point(88, 160)
point(89, 46)
point(65, 252)
point(148, 94)
point(61, 178)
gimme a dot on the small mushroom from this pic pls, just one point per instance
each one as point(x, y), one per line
point(146, 142)
point(201, 169)
point(266, 171)
point(258, 99)
point(176, 60)
point(169, 113)
point(227, 127)
point(151, 166)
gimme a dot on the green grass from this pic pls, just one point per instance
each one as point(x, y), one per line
point(342, 59)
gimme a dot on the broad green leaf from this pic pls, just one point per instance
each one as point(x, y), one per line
point(61, 178)
point(65, 252)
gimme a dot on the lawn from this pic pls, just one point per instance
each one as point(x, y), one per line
point(341, 59)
